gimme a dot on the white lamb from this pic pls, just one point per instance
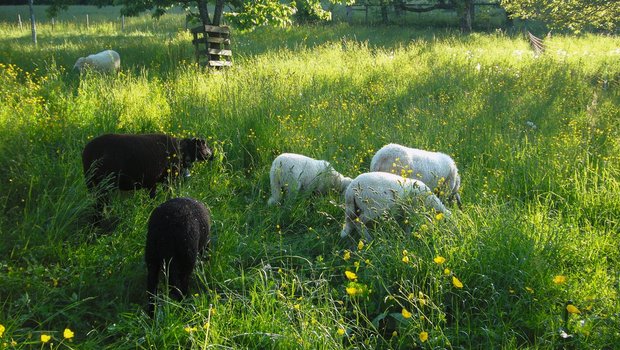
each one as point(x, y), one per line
point(437, 170)
point(108, 61)
point(295, 172)
point(371, 195)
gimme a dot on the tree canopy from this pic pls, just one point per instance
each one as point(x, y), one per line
point(574, 15)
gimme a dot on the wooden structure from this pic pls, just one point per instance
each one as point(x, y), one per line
point(212, 45)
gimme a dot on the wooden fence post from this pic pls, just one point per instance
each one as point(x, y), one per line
point(123, 22)
point(87, 22)
point(33, 24)
point(53, 24)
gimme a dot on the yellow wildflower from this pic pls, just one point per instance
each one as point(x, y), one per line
point(297, 306)
point(406, 313)
point(2, 329)
point(360, 245)
point(439, 216)
point(456, 282)
point(68, 334)
point(424, 227)
point(189, 329)
point(405, 259)
point(559, 279)
point(351, 275)
point(423, 336)
point(351, 291)
point(572, 309)
point(45, 338)
point(439, 260)
point(394, 334)
point(347, 255)
point(340, 331)
point(446, 271)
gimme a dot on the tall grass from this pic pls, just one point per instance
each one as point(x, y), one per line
point(536, 140)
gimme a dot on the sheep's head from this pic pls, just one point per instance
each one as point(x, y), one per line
point(80, 63)
point(195, 150)
point(344, 183)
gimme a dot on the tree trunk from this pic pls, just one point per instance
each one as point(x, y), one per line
point(203, 10)
point(33, 24)
point(466, 15)
point(384, 12)
point(217, 14)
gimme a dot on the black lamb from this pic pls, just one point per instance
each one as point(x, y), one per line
point(139, 161)
point(178, 231)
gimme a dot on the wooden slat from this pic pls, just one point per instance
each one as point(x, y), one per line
point(220, 63)
point(216, 29)
point(220, 52)
point(199, 41)
point(218, 40)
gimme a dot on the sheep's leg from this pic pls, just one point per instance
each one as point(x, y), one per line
point(151, 285)
point(458, 201)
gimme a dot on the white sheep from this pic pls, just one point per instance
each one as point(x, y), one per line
point(437, 170)
point(371, 195)
point(108, 61)
point(295, 172)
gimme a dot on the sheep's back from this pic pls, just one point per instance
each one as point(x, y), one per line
point(134, 159)
point(178, 229)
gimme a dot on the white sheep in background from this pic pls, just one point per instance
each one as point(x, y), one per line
point(295, 172)
point(437, 170)
point(371, 195)
point(108, 61)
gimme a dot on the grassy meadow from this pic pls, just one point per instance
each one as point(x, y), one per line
point(536, 140)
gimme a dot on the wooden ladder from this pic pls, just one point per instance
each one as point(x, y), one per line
point(212, 45)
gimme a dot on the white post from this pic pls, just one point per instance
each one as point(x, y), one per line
point(19, 21)
point(53, 23)
point(123, 22)
point(87, 22)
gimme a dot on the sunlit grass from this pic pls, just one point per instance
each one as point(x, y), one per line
point(536, 139)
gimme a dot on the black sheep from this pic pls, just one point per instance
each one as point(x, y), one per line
point(178, 230)
point(139, 161)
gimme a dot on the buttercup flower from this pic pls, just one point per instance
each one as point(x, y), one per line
point(351, 275)
point(347, 255)
point(2, 329)
point(423, 336)
point(572, 309)
point(351, 291)
point(559, 279)
point(45, 338)
point(456, 282)
point(340, 331)
point(360, 245)
point(439, 260)
point(406, 313)
point(68, 334)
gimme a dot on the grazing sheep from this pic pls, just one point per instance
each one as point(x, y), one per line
point(139, 161)
point(108, 61)
point(178, 230)
point(372, 194)
point(437, 170)
point(303, 173)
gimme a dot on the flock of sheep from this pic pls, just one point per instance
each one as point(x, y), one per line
point(179, 229)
